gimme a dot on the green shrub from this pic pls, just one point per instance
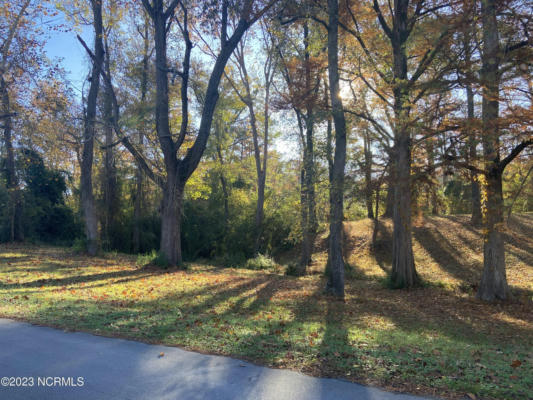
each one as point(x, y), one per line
point(292, 269)
point(152, 258)
point(260, 262)
point(79, 245)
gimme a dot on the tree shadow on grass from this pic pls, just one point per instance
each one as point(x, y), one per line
point(445, 254)
point(334, 354)
point(43, 267)
point(381, 247)
point(243, 327)
point(522, 223)
point(12, 260)
point(71, 280)
point(517, 236)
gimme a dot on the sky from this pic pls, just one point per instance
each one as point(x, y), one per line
point(64, 47)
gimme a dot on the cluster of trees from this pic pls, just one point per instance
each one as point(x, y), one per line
point(230, 128)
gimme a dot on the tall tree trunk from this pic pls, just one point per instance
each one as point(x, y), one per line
point(171, 206)
point(260, 163)
point(472, 157)
point(14, 203)
point(376, 219)
point(110, 174)
point(403, 265)
point(261, 174)
point(260, 210)
point(15, 197)
point(336, 278)
point(225, 193)
point(310, 225)
point(138, 203)
point(308, 187)
point(432, 181)
point(475, 193)
point(262, 178)
point(368, 176)
point(223, 181)
point(389, 199)
point(170, 245)
point(87, 196)
point(493, 281)
point(304, 209)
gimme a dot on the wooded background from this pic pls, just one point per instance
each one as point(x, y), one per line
point(227, 129)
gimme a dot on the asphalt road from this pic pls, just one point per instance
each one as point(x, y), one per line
point(121, 369)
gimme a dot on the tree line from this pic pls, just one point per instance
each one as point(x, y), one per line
point(226, 129)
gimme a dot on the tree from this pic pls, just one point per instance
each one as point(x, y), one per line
point(179, 169)
point(405, 78)
point(468, 36)
point(302, 72)
point(16, 19)
point(336, 277)
point(89, 132)
point(493, 283)
point(110, 184)
point(138, 202)
point(367, 166)
point(260, 152)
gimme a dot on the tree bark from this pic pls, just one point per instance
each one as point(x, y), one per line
point(110, 192)
point(493, 281)
point(476, 217)
point(222, 177)
point(138, 203)
point(403, 265)
point(389, 200)
point(225, 193)
point(15, 198)
point(310, 226)
point(475, 193)
point(432, 181)
point(170, 245)
point(87, 196)
point(14, 203)
point(335, 283)
point(368, 175)
point(171, 208)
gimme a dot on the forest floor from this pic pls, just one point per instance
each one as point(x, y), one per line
point(435, 340)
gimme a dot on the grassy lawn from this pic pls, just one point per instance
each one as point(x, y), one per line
point(436, 340)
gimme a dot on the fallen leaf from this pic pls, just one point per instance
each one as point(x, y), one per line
point(516, 363)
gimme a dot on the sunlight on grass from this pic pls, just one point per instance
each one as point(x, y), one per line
point(13, 255)
point(435, 340)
